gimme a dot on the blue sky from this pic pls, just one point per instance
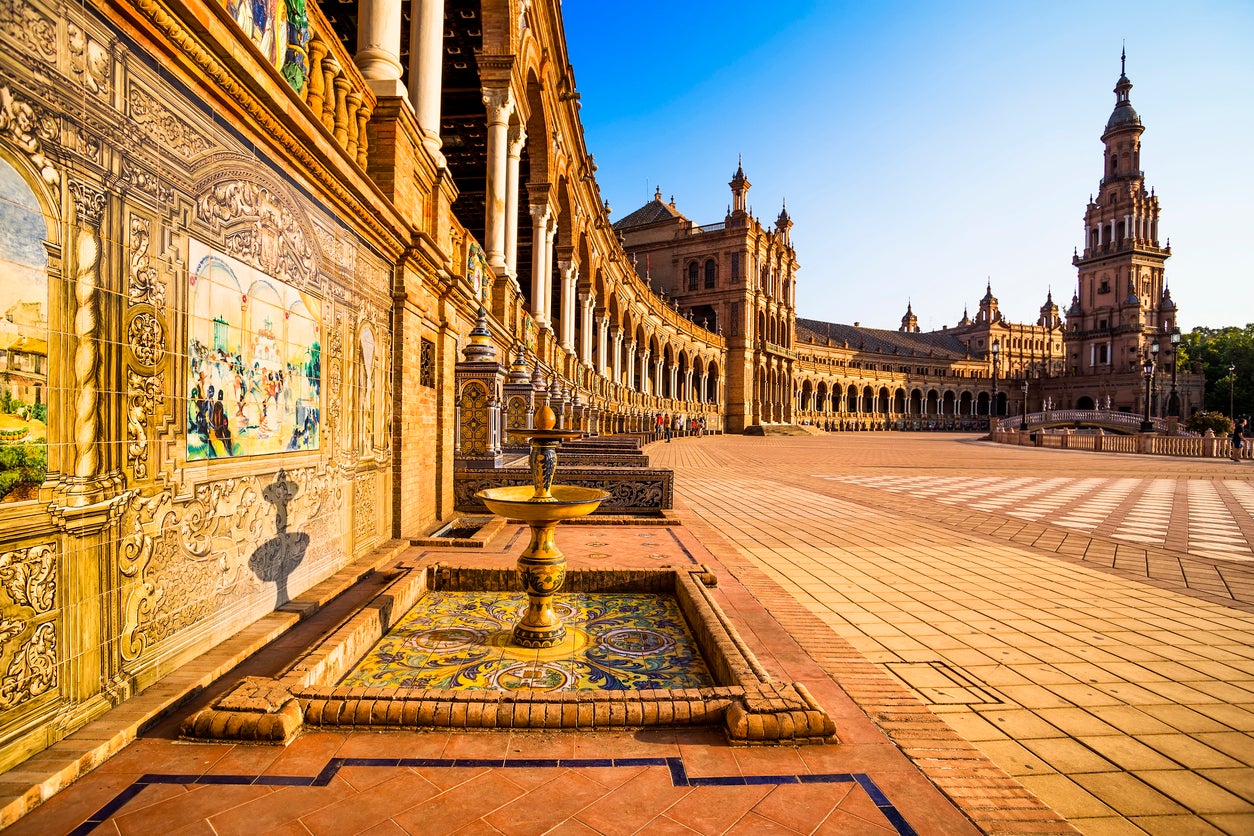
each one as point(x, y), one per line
point(924, 148)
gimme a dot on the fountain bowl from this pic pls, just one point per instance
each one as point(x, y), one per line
point(516, 502)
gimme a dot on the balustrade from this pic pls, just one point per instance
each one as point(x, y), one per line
point(335, 90)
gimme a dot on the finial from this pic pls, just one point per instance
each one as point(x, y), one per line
point(1123, 59)
point(657, 195)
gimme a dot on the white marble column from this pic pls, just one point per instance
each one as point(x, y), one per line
point(674, 370)
point(688, 386)
point(631, 364)
point(586, 302)
point(500, 104)
point(617, 364)
point(603, 346)
point(705, 382)
point(426, 63)
point(517, 138)
point(379, 46)
point(646, 381)
point(570, 281)
point(540, 265)
point(550, 233)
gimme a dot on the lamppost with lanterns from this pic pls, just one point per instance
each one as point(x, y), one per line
point(1232, 379)
point(1154, 382)
point(1025, 403)
point(992, 407)
point(1173, 403)
point(1147, 370)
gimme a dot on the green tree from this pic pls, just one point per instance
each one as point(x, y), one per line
point(1217, 349)
point(24, 464)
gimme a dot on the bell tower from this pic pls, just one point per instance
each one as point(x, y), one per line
point(1115, 313)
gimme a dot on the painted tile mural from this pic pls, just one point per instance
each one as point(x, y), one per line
point(23, 339)
point(254, 382)
point(280, 29)
point(461, 640)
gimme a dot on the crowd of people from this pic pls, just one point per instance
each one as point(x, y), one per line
point(676, 426)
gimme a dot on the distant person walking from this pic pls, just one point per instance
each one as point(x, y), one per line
point(668, 425)
point(1238, 438)
point(657, 428)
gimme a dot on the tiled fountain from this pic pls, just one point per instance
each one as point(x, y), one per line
point(458, 647)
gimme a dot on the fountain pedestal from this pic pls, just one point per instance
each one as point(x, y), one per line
point(542, 505)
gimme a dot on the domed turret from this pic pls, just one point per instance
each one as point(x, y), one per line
point(1124, 115)
point(909, 322)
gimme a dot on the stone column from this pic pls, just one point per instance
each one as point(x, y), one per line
point(617, 365)
point(657, 377)
point(426, 62)
point(705, 382)
point(550, 232)
point(517, 138)
point(688, 386)
point(631, 365)
point(570, 278)
point(379, 47)
point(586, 303)
point(500, 104)
point(603, 349)
point(646, 384)
point(539, 264)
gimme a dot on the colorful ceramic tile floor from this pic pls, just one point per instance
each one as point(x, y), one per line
point(461, 641)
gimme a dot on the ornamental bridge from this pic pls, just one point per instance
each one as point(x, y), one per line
point(1122, 423)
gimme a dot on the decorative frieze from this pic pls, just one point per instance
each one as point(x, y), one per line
point(23, 24)
point(28, 578)
point(163, 127)
point(260, 229)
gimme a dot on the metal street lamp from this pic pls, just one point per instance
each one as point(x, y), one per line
point(1024, 426)
point(1154, 399)
point(1173, 405)
point(992, 407)
point(1147, 370)
point(1232, 379)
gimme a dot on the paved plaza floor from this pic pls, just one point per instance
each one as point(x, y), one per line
point(1005, 637)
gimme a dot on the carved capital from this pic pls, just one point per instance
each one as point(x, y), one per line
point(517, 138)
point(540, 215)
point(89, 203)
point(500, 104)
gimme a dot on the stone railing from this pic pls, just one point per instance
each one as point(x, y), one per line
point(335, 90)
point(1183, 446)
point(1093, 417)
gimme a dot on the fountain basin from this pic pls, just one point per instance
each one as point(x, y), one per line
point(518, 502)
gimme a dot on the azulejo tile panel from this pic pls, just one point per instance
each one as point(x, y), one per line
point(461, 641)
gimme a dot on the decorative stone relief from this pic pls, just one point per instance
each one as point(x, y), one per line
point(23, 23)
point(138, 178)
point(260, 230)
point(29, 129)
point(89, 61)
point(146, 337)
point(28, 578)
point(33, 670)
point(163, 127)
point(144, 394)
point(144, 284)
point(236, 540)
point(364, 524)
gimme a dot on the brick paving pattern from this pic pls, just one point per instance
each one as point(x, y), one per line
point(990, 628)
point(1084, 619)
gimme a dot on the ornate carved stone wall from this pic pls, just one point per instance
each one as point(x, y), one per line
point(170, 551)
